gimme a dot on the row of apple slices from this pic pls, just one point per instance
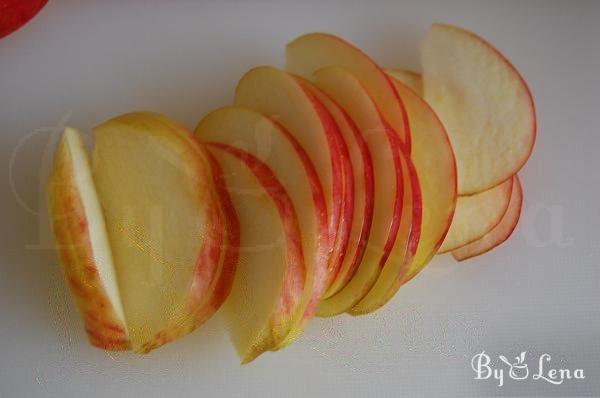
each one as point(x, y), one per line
point(320, 191)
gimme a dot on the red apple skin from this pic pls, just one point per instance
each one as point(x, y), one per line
point(290, 303)
point(318, 279)
point(340, 223)
point(402, 129)
point(16, 13)
point(367, 177)
point(71, 233)
point(334, 146)
point(230, 247)
point(207, 291)
point(293, 288)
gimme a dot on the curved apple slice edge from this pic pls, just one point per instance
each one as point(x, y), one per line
point(455, 64)
point(150, 149)
point(476, 215)
point(500, 233)
point(259, 315)
point(385, 147)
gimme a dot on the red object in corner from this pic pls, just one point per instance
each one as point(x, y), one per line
point(16, 13)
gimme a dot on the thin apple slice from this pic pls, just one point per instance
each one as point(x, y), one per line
point(362, 171)
point(82, 244)
point(476, 215)
point(270, 143)
point(385, 148)
point(282, 97)
point(501, 232)
point(434, 162)
point(313, 51)
point(269, 281)
point(411, 80)
point(403, 253)
point(483, 102)
point(164, 222)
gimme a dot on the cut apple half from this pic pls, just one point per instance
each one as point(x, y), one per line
point(269, 281)
point(385, 149)
point(82, 244)
point(165, 225)
point(284, 98)
point(362, 171)
point(476, 215)
point(267, 141)
point(411, 80)
point(313, 51)
point(435, 166)
point(501, 232)
point(483, 102)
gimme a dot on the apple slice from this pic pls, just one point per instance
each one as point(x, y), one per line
point(165, 225)
point(433, 160)
point(362, 171)
point(269, 282)
point(313, 51)
point(386, 153)
point(282, 97)
point(403, 253)
point(476, 215)
point(82, 244)
point(484, 104)
point(410, 79)
point(267, 141)
point(501, 232)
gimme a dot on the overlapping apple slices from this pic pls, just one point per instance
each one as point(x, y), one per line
point(328, 186)
point(269, 283)
point(483, 102)
point(433, 160)
point(146, 246)
point(476, 215)
point(392, 234)
point(500, 232)
point(271, 144)
point(362, 205)
point(284, 98)
point(313, 51)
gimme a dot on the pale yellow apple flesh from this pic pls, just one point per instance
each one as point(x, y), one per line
point(82, 244)
point(476, 215)
point(261, 137)
point(482, 101)
point(384, 147)
point(283, 98)
point(363, 186)
point(403, 252)
point(434, 162)
point(500, 233)
point(313, 51)
point(269, 281)
point(411, 80)
point(163, 221)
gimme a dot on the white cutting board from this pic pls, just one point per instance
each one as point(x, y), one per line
point(81, 63)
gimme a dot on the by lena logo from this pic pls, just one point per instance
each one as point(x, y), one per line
point(519, 369)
